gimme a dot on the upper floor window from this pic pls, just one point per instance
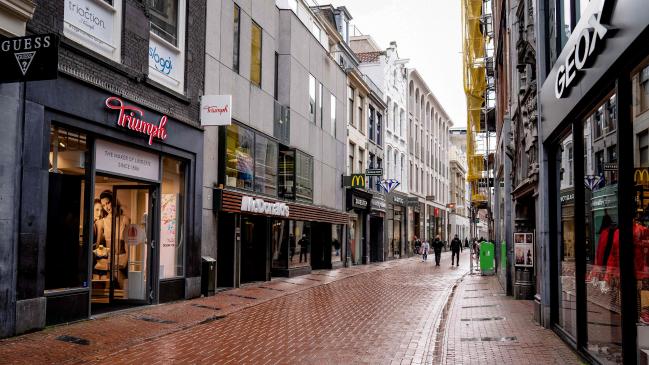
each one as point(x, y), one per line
point(96, 25)
point(370, 122)
point(312, 98)
point(332, 105)
point(379, 118)
point(320, 102)
point(237, 38)
point(350, 105)
point(167, 43)
point(255, 54)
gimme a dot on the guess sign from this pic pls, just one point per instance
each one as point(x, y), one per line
point(133, 118)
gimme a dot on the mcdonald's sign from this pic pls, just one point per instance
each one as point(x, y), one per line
point(354, 181)
point(641, 176)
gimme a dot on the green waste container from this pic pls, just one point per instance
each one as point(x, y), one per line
point(487, 258)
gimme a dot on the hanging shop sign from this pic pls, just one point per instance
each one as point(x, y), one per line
point(132, 117)
point(610, 166)
point(354, 181)
point(584, 45)
point(373, 172)
point(388, 185)
point(378, 203)
point(430, 198)
point(250, 204)
point(216, 110)
point(567, 196)
point(524, 249)
point(412, 201)
point(30, 58)
point(398, 200)
point(358, 202)
point(126, 161)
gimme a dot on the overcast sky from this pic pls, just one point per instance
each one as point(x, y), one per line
point(429, 33)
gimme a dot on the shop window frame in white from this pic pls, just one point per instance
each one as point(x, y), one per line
point(167, 60)
point(83, 20)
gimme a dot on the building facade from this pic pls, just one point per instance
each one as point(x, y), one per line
point(108, 191)
point(387, 70)
point(458, 203)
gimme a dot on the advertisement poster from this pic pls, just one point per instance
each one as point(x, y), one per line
point(524, 249)
point(90, 21)
point(168, 235)
point(166, 64)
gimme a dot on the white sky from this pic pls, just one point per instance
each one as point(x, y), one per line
point(429, 33)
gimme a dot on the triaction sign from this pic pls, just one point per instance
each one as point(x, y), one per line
point(250, 204)
point(132, 117)
point(583, 46)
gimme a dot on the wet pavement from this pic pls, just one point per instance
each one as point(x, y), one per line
point(386, 313)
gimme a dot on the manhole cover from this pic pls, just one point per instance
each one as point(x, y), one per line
point(155, 320)
point(75, 340)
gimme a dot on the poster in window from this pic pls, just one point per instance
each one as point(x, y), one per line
point(524, 249)
point(168, 235)
point(166, 64)
point(89, 21)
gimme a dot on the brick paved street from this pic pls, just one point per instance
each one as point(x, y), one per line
point(386, 313)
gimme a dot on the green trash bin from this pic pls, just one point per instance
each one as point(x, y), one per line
point(487, 258)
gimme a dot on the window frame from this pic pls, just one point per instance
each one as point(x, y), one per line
point(236, 46)
point(176, 50)
point(254, 25)
point(84, 38)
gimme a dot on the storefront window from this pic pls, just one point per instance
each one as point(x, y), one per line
point(641, 182)
point(66, 249)
point(567, 284)
point(303, 177)
point(286, 173)
point(299, 244)
point(172, 218)
point(280, 243)
point(239, 162)
point(602, 240)
point(265, 165)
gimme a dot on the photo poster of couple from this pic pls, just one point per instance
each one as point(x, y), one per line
point(524, 249)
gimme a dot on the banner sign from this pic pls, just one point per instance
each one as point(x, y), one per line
point(388, 185)
point(126, 161)
point(30, 58)
point(216, 110)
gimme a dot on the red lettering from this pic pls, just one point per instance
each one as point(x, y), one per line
point(133, 118)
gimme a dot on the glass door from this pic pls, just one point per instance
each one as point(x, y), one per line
point(132, 243)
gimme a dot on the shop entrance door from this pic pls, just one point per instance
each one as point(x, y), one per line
point(122, 248)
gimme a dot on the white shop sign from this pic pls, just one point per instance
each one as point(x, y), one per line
point(166, 64)
point(121, 160)
point(91, 21)
point(249, 204)
point(216, 110)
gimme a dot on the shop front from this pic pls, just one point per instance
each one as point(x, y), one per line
point(358, 205)
point(595, 108)
point(115, 204)
point(395, 225)
point(416, 214)
point(260, 237)
point(377, 226)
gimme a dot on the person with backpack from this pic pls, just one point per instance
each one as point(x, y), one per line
point(456, 248)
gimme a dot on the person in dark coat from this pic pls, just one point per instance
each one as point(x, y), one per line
point(456, 248)
point(438, 244)
point(417, 246)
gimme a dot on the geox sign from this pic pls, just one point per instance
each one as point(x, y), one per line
point(249, 204)
point(584, 45)
point(30, 58)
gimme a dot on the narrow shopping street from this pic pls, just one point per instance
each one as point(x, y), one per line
point(388, 313)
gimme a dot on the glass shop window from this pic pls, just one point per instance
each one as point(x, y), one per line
point(66, 247)
point(641, 202)
point(303, 177)
point(265, 165)
point(164, 19)
point(255, 54)
point(239, 162)
point(172, 218)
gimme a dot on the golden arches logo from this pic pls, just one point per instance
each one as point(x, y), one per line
point(358, 181)
point(641, 176)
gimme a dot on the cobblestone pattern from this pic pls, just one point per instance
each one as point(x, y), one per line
point(480, 313)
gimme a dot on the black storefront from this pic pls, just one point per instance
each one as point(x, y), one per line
point(359, 203)
point(396, 215)
point(595, 113)
point(111, 193)
point(377, 226)
point(260, 237)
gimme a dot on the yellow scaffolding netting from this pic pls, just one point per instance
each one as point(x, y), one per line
point(475, 86)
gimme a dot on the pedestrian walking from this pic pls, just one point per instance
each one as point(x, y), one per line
point(456, 248)
point(424, 251)
point(417, 246)
point(437, 247)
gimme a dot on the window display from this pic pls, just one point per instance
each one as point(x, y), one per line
point(172, 209)
point(602, 237)
point(265, 166)
point(164, 19)
point(239, 162)
point(66, 258)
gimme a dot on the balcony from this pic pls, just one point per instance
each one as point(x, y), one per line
point(282, 123)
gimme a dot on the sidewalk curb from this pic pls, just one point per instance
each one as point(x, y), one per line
point(441, 344)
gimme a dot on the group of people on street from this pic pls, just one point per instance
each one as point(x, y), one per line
point(422, 248)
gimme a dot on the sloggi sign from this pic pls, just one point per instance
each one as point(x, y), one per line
point(249, 204)
point(583, 46)
point(162, 64)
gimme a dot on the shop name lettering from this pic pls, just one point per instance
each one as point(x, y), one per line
point(88, 18)
point(26, 44)
point(249, 204)
point(582, 54)
point(161, 64)
point(128, 162)
point(216, 109)
point(360, 202)
point(130, 117)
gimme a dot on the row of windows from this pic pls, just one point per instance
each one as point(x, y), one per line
point(255, 47)
point(318, 117)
